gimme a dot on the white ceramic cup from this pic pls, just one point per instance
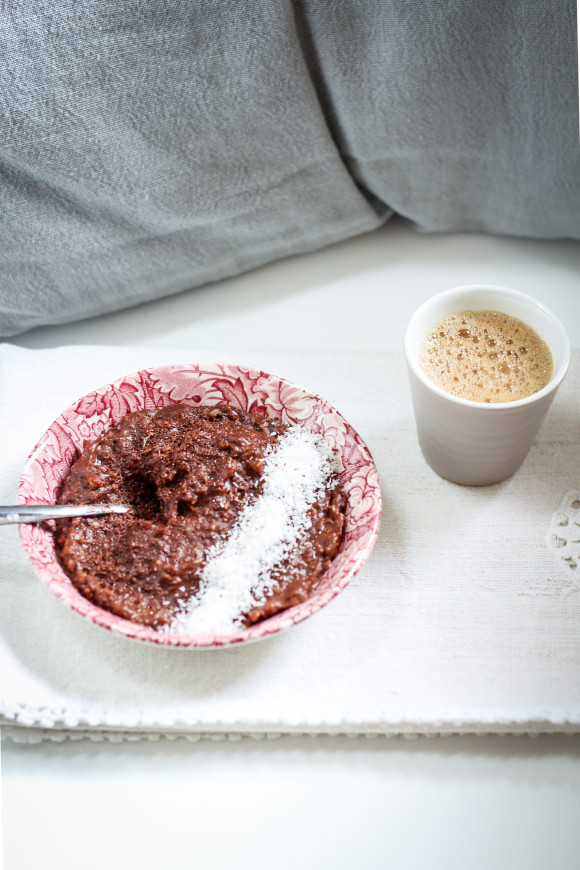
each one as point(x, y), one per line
point(475, 443)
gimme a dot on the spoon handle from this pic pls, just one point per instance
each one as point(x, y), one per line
point(37, 513)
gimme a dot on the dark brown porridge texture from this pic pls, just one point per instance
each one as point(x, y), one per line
point(189, 472)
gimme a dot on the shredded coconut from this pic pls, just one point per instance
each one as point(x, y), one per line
point(297, 470)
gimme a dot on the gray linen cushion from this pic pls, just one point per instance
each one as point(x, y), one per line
point(150, 147)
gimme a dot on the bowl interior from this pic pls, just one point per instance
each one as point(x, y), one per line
point(244, 388)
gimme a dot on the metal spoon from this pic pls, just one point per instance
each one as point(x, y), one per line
point(37, 513)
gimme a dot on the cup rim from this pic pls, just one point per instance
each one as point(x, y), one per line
point(490, 407)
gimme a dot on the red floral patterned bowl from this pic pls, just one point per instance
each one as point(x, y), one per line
point(245, 388)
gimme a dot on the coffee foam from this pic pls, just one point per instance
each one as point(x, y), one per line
point(486, 356)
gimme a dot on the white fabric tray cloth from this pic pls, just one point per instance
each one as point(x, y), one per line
point(464, 619)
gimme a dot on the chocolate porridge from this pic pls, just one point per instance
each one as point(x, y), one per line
point(235, 518)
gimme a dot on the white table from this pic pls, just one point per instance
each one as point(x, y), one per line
point(493, 802)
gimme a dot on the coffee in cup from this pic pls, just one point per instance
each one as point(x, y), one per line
point(486, 356)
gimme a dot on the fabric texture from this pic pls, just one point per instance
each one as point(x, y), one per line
point(463, 620)
point(150, 147)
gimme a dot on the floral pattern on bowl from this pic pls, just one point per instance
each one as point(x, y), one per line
point(243, 388)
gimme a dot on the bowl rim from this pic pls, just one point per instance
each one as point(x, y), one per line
point(39, 545)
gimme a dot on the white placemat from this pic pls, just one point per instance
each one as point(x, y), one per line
point(466, 618)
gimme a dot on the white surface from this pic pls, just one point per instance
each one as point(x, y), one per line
point(415, 644)
point(357, 295)
point(296, 804)
point(453, 803)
